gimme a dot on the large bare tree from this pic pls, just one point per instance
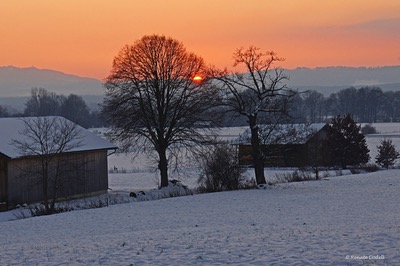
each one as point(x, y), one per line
point(153, 101)
point(44, 139)
point(258, 92)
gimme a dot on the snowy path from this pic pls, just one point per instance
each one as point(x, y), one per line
point(309, 223)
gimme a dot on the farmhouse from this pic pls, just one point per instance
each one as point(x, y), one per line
point(285, 145)
point(79, 171)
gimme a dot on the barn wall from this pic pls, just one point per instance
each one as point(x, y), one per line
point(22, 187)
point(80, 174)
point(88, 174)
point(288, 155)
point(245, 155)
point(3, 184)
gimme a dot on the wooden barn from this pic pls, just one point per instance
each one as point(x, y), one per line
point(285, 145)
point(78, 171)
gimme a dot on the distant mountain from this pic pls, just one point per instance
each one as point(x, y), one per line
point(17, 82)
point(328, 80)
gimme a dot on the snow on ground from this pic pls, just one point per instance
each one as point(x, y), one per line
point(347, 220)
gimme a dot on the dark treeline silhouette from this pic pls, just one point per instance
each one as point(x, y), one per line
point(45, 103)
point(366, 105)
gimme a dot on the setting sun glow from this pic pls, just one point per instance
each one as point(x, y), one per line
point(197, 78)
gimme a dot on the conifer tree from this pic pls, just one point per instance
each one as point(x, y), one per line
point(387, 154)
point(346, 145)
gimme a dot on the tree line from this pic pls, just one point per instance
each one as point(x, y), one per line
point(366, 104)
point(45, 103)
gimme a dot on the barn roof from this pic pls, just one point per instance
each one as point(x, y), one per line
point(282, 134)
point(11, 128)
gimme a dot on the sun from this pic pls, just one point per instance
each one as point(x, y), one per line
point(197, 78)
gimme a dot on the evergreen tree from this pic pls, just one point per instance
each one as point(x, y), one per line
point(387, 153)
point(346, 144)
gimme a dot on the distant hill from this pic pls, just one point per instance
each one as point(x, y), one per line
point(17, 82)
point(328, 80)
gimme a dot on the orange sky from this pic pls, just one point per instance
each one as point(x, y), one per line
point(81, 37)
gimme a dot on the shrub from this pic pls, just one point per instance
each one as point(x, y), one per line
point(296, 176)
point(220, 170)
point(40, 210)
point(368, 129)
point(371, 167)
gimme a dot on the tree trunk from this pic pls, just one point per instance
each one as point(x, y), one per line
point(45, 184)
point(163, 167)
point(257, 154)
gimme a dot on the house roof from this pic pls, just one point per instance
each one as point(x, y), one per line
point(11, 129)
point(281, 134)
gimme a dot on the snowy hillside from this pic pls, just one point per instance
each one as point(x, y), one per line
point(348, 220)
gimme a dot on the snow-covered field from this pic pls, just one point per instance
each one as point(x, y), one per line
point(344, 220)
point(347, 220)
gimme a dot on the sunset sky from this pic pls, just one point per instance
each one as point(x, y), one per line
point(81, 37)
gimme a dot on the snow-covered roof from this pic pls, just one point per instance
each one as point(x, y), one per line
point(281, 134)
point(11, 129)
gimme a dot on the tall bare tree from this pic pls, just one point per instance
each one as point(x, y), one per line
point(258, 92)
point(153, 101)
point(46, 138)
point(43, 103)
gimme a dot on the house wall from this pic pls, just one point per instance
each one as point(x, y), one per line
point(81, 174)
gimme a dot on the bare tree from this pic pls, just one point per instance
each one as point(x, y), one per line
point(43, 103)
point(153, 101)
point(44, 139)
point(258, 92)
point(75, 109)
point(313, 103)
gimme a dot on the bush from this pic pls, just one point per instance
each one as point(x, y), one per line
point(371, 167)
point(40, 210)
point(220, 170)
point(368, 129)
point(296, 176)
